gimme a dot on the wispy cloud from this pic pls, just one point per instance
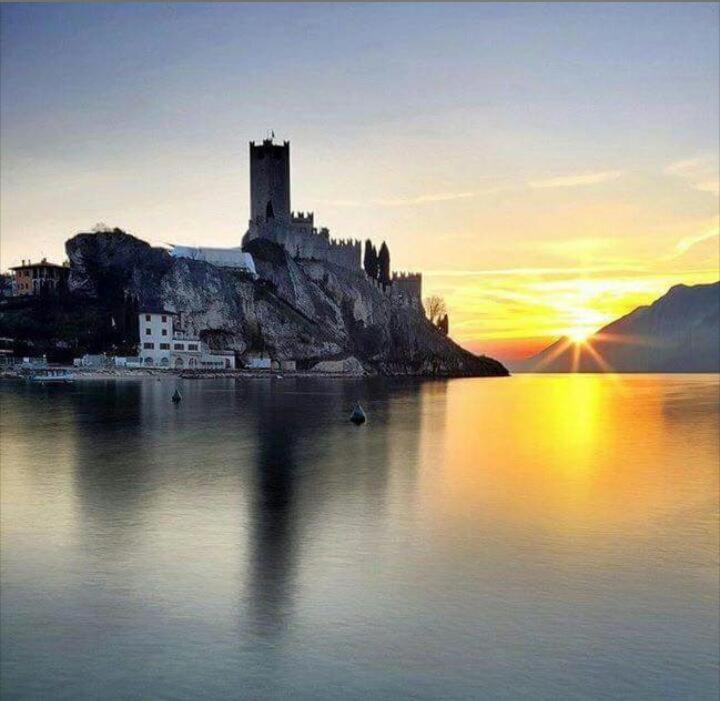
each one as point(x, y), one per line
point(686, 243)
point(578, 180)
point(340, 203)
point(565, 271)
point(712, 186)
point(685, 168)
point(428, 198)
point(701, 173)
point(423, 199)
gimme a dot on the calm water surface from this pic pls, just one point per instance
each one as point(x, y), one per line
point(540, 537)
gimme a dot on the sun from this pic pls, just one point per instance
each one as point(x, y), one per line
point(579, 335)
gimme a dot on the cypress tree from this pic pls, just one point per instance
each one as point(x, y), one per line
point(367, 258)
point(372, 266)
point(384, 264)
point(444, 325)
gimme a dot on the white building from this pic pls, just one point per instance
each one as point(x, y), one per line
point(104, 361)
point(164, 347)
point(93, 361)
point(133, 361)
point(258, 363)
point(234, 258)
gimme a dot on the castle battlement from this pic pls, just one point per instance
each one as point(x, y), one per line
point(406, 276)
point(408, 285)
point(269, 142)
point(344, 242)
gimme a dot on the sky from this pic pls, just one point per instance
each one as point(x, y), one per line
point(547, 167)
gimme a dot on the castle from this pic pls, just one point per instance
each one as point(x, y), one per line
point(272, 218)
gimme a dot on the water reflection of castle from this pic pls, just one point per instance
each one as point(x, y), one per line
point(265, 487)
point(271, 218)
point(307, 496)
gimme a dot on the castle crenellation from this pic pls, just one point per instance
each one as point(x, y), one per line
point(408, 284)
point(272, 218)
point(398, 293)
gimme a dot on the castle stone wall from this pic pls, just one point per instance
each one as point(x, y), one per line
point(346, 253)
point(303, 222)
point(409, 285)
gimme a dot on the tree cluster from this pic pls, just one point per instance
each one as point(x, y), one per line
point(377, 263)
point(370, 260)
point(437, 313)
point(65, 326)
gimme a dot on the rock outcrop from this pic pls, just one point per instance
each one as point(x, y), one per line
point(309, 311)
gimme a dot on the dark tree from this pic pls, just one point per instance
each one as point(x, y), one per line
point(370, 262)
point(129, 331)
point(384, 264)
point(368, 258)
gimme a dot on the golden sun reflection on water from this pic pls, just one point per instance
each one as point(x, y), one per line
point(574, 452)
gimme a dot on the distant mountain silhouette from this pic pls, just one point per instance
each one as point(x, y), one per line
point(679, 332)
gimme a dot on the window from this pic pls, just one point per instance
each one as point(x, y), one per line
point(192, 346)
point(179, 346)
point(147, 317)
point(149, 346)
point(164, 346)
point(164, 318)
point(148, 331)
point(164, 332)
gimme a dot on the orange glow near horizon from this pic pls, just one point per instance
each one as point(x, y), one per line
point(515, 319)
point(574, 286)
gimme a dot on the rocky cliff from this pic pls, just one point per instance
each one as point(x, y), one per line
point(308, 311)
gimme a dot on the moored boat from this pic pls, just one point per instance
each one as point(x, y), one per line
point(52, 376)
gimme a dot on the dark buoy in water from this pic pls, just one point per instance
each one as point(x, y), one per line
point(177, 397)
point(358, 415)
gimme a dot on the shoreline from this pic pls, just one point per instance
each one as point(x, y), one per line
point(147, 373)
point(98, 374)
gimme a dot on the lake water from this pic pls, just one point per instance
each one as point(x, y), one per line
point(539, 537)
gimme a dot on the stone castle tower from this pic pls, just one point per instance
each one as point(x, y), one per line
point(270, 182)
